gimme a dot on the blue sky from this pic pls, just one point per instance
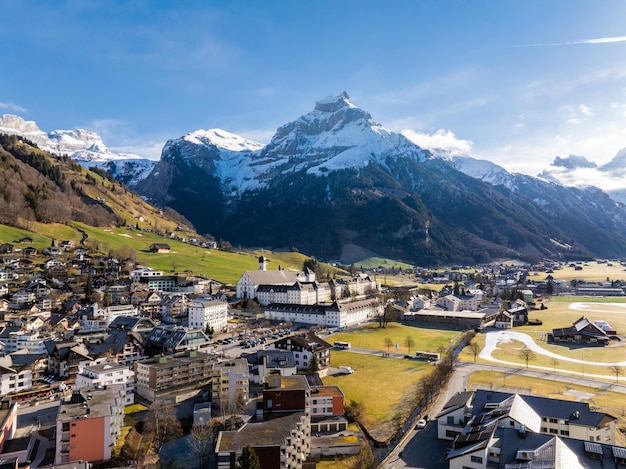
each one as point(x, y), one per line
point(517, 83)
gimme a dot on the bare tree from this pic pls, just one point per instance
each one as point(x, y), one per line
point(409, 342)
point(388, 343)
point(474, 348)
point(527, 354)
point(618, 371)
point(202, 442)
point(161, 420)
point(555, 362)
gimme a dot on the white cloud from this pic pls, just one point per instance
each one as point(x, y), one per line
point(599, 40)
point(149, 150)
point(13, 107)
point(584, 109)
point(442, 139)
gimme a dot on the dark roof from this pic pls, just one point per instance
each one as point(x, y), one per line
point(271, 432)
point(539, 449)
point(543, 406)
point(459, 400)
point(129, 323)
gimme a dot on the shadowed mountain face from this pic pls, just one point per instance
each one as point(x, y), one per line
point(334, 181)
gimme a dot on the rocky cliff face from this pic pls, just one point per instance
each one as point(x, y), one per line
point(334, 182)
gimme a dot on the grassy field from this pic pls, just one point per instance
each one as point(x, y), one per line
point(563, 314)
point(372, 337)
point(591, 272)
point(382, 402)
point(376, 262)
point(226, 267)
point(367, 385)
point(603, 400)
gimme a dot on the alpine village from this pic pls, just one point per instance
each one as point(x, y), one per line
point(392, 313)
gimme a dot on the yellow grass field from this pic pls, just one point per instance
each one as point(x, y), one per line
point(573, 359)
point(384, 385)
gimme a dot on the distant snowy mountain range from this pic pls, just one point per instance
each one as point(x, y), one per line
point(87, 148)
point(336, 184)
point(83, 146)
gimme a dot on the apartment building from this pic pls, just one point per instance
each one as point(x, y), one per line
point(474, 422)
point(327, 409)
point(106, 374)
point(230, 383)
point(205, 314)
point(88, 424)
point(163, 375)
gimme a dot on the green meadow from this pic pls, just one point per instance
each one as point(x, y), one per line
point(225, 267)
point(384, 385)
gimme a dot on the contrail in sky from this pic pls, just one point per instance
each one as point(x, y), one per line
point(599, 40)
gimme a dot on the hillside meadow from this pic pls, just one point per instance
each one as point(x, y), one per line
point(225, 267)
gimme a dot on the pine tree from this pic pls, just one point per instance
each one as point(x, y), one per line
point(248, 459)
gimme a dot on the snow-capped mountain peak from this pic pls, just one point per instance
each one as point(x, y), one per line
point(334, 103)
point(223, 140)
point(84, 146)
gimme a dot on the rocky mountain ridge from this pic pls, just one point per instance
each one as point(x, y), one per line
point(335, 181)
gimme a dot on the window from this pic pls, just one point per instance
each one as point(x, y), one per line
point(477, 459)
point(553, 420)
point(554, 431)
point(565, 432)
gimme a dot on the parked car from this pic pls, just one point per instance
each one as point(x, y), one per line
point(421, 424)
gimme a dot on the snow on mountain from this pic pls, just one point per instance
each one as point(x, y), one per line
point(15, 125)
point(338, 135)
point(80, 145)
point(484, 170)
point(335, 135)
point(577, 171)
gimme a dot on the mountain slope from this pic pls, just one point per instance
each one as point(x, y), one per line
point(83, 146)
point(36, 186)
point(334, 181)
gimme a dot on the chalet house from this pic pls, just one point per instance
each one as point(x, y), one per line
point(518, 309)
point(52, 263)
point(29, 251)
point(173, 307)
point(582, 331)
point(148, 302)
point(26, 240)
point(504, 320)
point(159, 248)
point(53, 251)
point(305, 348)
point(62, 326)
point(6, 248)
point(67, 244)
point(66, 358)
point(119, 346)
